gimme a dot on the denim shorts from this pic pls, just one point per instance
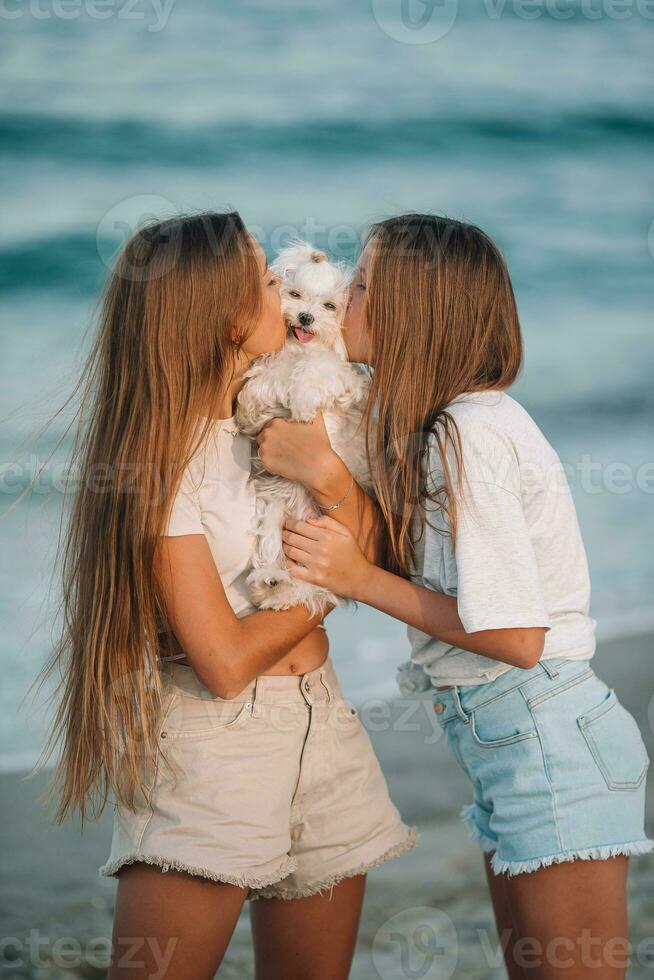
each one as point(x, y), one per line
point(557, 763)
point(277, 790)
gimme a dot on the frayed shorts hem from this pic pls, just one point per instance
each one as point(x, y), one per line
point(166, 864)
point(501, 867)
point(602, 853)
point(317, 888)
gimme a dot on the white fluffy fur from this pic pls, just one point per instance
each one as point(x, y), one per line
point(294, 383)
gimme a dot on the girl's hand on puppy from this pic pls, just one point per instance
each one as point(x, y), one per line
point(325, 553)
point(299, 451)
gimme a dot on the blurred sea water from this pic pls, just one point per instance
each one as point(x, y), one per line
point(316, 119)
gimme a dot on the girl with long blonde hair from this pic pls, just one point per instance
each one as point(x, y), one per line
point(219, 734)
point(476, 505)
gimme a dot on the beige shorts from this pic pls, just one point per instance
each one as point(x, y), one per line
point(277, 790)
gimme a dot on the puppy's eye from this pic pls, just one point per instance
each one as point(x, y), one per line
point(329, 306)
point(294, 293)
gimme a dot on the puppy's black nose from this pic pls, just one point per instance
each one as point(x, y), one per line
point(305, 319)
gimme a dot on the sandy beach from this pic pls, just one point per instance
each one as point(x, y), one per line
point(51, 891)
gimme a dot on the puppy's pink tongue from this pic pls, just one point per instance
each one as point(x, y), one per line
point(303, 335)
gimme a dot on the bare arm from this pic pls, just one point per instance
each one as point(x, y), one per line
point(325, 553)
point(301, 451)
point(425, 610)
point(359, 513)
point(226, 652)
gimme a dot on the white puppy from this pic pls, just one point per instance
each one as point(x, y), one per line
point(310, 373)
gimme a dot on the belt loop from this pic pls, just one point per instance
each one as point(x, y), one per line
point(258, 685)
point(458, 706)
point(551, 672)
point(330, 694)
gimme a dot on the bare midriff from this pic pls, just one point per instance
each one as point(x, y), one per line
point(309, 653)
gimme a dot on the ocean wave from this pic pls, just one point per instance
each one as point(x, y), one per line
point(123, 142)
point(61, 264)
point(73, 263)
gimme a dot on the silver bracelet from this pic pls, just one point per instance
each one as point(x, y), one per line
point(340, 502)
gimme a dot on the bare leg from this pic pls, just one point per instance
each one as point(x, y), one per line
point(572, 920)
point(506, 929)
point(308, 938)
point(171, 924)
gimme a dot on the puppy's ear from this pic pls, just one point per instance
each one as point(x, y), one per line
point(317, 256)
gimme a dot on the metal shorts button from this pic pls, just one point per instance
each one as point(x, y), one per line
point(439, 707)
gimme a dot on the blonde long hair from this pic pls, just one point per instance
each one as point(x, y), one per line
point(164, 345)
point(442, 320)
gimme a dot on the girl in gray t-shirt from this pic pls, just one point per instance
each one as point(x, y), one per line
point(475, 505)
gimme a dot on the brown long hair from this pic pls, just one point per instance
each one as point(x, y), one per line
point(164, 345)
point(442, 320)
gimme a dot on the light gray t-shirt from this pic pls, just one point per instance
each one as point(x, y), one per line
point(519, 559)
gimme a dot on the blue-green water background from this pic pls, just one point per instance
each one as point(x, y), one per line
point(315, 117)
